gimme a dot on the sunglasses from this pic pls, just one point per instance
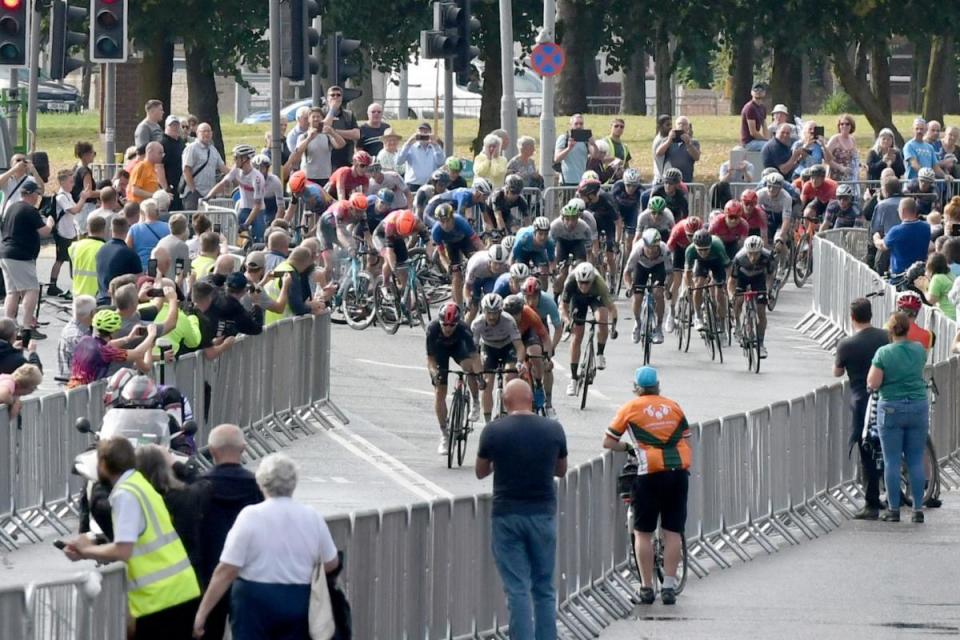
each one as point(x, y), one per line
point(448, 324)
point(618, 126)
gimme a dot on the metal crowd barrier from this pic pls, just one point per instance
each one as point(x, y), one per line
point(221, 212)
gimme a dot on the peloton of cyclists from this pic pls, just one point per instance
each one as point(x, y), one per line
point(500, 345)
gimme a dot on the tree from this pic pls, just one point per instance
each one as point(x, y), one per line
point(579, 29)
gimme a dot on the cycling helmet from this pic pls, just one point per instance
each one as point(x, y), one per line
point(444, 211)
point(362, 158)
point(631, 176)
point(107, 320)
point(508, 242)
point(584, 272)
point(672, 176)
point(531, 286)
point(243, 151)
point(492, 302)
point(657, 204)
point(139, 391)
point(749, 197)
point(449, 313)
point(513, 183)
point(733, 209)
point(589, 187)
point(818, 170)
point(589, 176)
point(844, 191)
point(909, 301)
point(926, 174)
point(386, 196)
point(702, 239)
point(753, 244)
point(513, 304)
point(498, 254)
point(406, 222)
point(772, 180)
point(440, 177)
point(481, 186)
point(692, 224)
point(651, 238)
point(519, 271)
point(298, 180)
point(573, 208)
point(115, 384)
point(541, 223)
point(453, 164)
point(359, 202)
point(261, 160)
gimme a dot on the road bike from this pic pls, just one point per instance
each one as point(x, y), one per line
point(803, 249)
point(587, 367)
point(432, 276)
point(710, 318)
point(784, 260)
point(539, 405)
point(647, 318)
point(394, 307)
point(749, 329)
point(600, 262)
point(683, 320)
point(458, 423)
point(499, 410)
point(354, 297)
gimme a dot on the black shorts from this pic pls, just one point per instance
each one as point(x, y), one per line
point(608, 226)
point(774, 221)
point(679, 258)
point(731, 248)
point(328, 236)
point(493, 357)
point(63, 248)
point(566, 247)
point(531, 339)
point(703, 268)
point(399, 246)
point(458, 251)
point(756, 283)
point(579, 306)
point(629, 216)
point(641, 274)
point(461, 351)
point(660, 495)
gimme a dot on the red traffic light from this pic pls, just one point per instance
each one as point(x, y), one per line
point(12, 4)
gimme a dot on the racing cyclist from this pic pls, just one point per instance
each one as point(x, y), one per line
point(483, 267)
point(509, 283)
point(778, 204)
point(656, 216)
point(335, 227)
point(510, 208)
point(752, 267)
point(626, 193)
point(449, 337)
point(536, 341)
point(673, 191)
point(390, 239)
point(500, 345)
point(546, 308)
point(571, 236)
point(730, 227)
point(842, 213)
point(436, 185)
point(315, 199)
point(534, 246)
point(465, 201)
point(649, 260)
point(456, 241)
point(680, 238)
point(706, 257)
point(586, 289)
point(754, 214)
point(607, 215)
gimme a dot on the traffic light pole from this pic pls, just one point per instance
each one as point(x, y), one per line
point(276, 32)
point(109, 112)
point(34, 80)
point(448, 106)
point(13, 110)
point(508, 102)
point(548, 126)
point(317, 78)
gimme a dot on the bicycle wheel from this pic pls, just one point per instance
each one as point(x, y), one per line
point(423, 307)
point(658, 552)
point(464, 428)
point(802, 261)
point(931, 470)
point(646, 315)
point(751, 342)
point(684, 322)
point(453, 430)
point(387, 307)
point(357, 304)
point(586, 371)
point(710, 336)
point(621, 265)
point(731, 323)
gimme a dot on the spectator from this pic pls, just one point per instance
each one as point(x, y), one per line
point(21, 382)
point(83, 182)
point(345, 124)
point(422, 155)
point(314, 148)
point(951, 230)
point(371, 131)
point(300, 266)
point(907, 242)
point(238, 317)
point(743, 172)
point(781, 116)
point(201, 164)
point(845, 165)
point(884, 154)
point(21, 169)
point(524, 452)
point(504, 139)
point(173, 148)
point(387, 157)
point(917, 153)
point(950, 167)
point(115, 259)
point(573, 154)
point(12, 349)
point(524, 165)
point(65, 226)
point(278, 248)
point(490, 163)
point(149, 129)
point(80, 325)
point(270, 574)
point(126, 298)
point(22, 227)
point(145, 179)
point(95, 353)
point(302, 126)
point(663, 131)
point(923, 189)
point(163, 602)
point(854, 355)
point(937, 283)
point(886, 215)
point(608, 168)
point(679, 149)
point(949, 144)
point(109, 206)
point(618, 149)
point(145, 235)
point(203, 263)
point(896, 373)
point(753, 120)
point(83, 257)
point(932, 137)
point(133, 155)
point(200, 224)
point(120, 182)
point(175, 244)
point(780, 155)
point(813, 149)
point(273, 192)
point(208, 304)
point(157, 466)
point(285, 152)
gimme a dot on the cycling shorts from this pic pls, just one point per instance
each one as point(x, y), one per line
point(774, 221)
point(757, 283)
point(461, 351)
point(459, 251)
point(399, 246)
point(679, 259)
point(607, 225)
point(577, 247)
point(660, 495)
point(641, 274)
point(704, 268)
point(531, 339)
point(579, 306)
point(493, 357)
point(629, 216)
point(328, 235)
point(480, 288)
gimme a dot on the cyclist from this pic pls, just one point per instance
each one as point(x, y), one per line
point(536, 341)
point(456, 241)
point(436, 186)
point(706, 257)
point(649, 260)
point(572, 236)
point(607, 215)
point(910, 303)
point(626, 193)
point(673, 191)
point(390, 239)
point(334, 226)
point(818, 191)
point(356, 176)
point(546, 308)
point(586, 289)
point(453, 167)
point(659, 437)
point(730, 227)
point(510, 282)
point(754, 214)
point(656, 216)
point(509, 206)
point(778, 204)
point(842, 213)
point(752, 267)
point(680, 238)
point(534, 246)
point(483, 267)
point(500, 344)
point(315, 198)
point(449, 337)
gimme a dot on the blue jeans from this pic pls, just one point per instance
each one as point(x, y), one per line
point(524, 548)
point(903, 432)
point(755, 145)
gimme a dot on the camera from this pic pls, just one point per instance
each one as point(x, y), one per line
point(152, 267)
point(818, 132)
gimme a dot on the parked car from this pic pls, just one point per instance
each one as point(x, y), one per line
point(51, 96)
point(289, 112)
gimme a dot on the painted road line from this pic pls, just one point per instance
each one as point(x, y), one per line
point(417, 391)
point(390, 364)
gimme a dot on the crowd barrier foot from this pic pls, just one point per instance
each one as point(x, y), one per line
point(590, 617)
point(694, 565)
point(798, 521)
point(6, 541)
point(754, 530)
point(834, 498)
point(773, 522)
point(584, 626)
point(332, 406)
point(810, 509)
point(317, 413)
point(21, 523)
point(565, 618)
point(714, 553)
point(734, 545)
point(610, 600)
point(809, 320)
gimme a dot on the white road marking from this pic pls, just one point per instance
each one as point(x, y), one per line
point(340, 480)
point(418, 391)
point(598, 394)
point(390, 364)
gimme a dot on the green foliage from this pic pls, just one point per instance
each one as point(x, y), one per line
point(839, 102)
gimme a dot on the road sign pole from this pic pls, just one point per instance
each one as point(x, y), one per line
point(276, 32)
point(110, 112)
point(13, 110)
point(448, 106)
point(548, 129)
point(508, 100)
point(34, 79)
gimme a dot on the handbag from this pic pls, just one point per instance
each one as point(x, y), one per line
point(321, 623)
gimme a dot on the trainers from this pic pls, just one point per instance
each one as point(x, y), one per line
point(551, 412)
point(668, 322)
point(474, 411)
point(637, 331)
point(444, 442)
point(867, 513)
point(668, 595)
point(657, 336)
point(572, 388)
point(890, 515)
point(601, 361)
point(54, 290)
point(763, 352)
point(933, 503)
point(36, 335)
point(646, 595)
point(917, 517)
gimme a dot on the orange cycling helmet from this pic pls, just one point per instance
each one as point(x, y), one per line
point(733, 209)
point(298, 180)
point(406, 222)
point(692, 224)
point(358, 201)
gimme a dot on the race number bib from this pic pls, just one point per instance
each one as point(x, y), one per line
point(642, 466)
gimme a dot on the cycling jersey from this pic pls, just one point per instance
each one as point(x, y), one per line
point(339, 212)
point(461, 199)
point(598, 291)
point(251, 186)
point(570, 241)
point(677, 203)
point(388, 228)
point(639, 258)
point(605, 208)
point(461, 233)
point(513, 212)
point(663, 223)
point(525, 248)
point(500, 334)
point(756, 220)
point(531, 327)
point(347, 180)
point(374, 215)
point(743, 266)
point(717, 256)
point(314, 198)
point(587, 217)
point(502, 287)
point(782, 203)
point(461, 339)
point(659, 429)
point(839, 218)
point(547, 309)
point(678, 237)
point(727, 234)
point(628, 203)
point(422, 197)
point(479, 267)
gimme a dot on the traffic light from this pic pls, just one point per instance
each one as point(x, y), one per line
point(62, 39)
point(13, 33)
point(339, 69)
point(442, 41)
point(108, 31)
point(466, 25)
point(296, 61)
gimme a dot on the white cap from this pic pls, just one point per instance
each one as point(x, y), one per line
point(780, 108)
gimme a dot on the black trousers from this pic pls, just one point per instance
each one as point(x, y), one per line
point(871, 475)
point(175, 623)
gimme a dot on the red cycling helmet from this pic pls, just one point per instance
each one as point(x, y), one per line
point(733, 209)
point(298, 180)
point(749, 197)
point(358, 201)
point(692, 224)
point(362, 158)
point(406, 222)
point(531, 286)
point(449, 313)
point(909, 301)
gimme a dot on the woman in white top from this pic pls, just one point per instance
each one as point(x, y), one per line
point(268, 558)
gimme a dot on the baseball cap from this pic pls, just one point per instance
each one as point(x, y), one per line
point(30, 187)
point(646, 377)
point(236, 281)
point(759, 86)
point(780, 108)
point(171, 119)
point(424, 125)
point(256, 259)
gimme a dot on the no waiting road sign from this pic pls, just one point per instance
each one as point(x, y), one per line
point(547, 59)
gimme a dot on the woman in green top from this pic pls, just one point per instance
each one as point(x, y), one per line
point(938, 283)
point(896, 373)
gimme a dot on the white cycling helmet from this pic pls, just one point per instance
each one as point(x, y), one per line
point(541, 223)
point(584, 272)
point(650, 237)
point(573, 208)
point(519, 271)
point(845, 191)
point(753, 244)
point(631, 176)
point(773, 180)
point(491, 302)
point(508, 242)
point(498, 254)
point(481, 186)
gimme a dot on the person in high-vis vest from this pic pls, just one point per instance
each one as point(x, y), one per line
point(83, 257)
point(660, 444)
point(209, 252)
point(299, 299)
point(162, 589)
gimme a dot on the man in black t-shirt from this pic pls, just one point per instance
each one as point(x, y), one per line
point(346, 125)
point(172, 160)
point(854, 355)
point(22, 227)
point(371, 131)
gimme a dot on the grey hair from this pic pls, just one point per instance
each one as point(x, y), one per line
point(226, 436)
point(524, 141)
point(277, 476)
point(126, 297)
point(83, 306)
point(492, 139)
point(885, 132)
point(150, 208)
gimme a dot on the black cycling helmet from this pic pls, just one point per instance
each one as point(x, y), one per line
point(589, 188)
point(702, 239)
point(514, 184)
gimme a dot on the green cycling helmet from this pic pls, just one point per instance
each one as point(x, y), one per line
point(573, 208)
point(454, 164)
point(657, 204)
point(107, 320)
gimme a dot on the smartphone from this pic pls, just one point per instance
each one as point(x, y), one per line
point(818, 132)
point(423, 136)
point(216, 227)
point(152, 267)
point(581, 135)
point(179, 266)
point(25, 337)
point(678, 133)
point(59, 544)
point(154, 293)
point(955, 229)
